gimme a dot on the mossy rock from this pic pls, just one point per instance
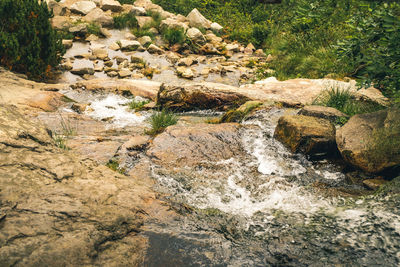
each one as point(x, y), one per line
point(390, 188)
point(240, 113)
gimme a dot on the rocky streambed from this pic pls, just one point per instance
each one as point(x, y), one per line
point(265, 184)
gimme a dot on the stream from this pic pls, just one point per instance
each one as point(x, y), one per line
point(268, 207)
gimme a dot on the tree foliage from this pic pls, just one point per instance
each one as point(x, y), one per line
point(28, 44)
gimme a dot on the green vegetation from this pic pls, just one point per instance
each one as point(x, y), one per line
point(344, 100)
point(238, 115)
point(161, 120)
point(174, 36)
point(126, 20)
point(314, 38)
point(138, 105)
point(93, 28)
point(28, 43)
point(67, 130)
point(114, 165)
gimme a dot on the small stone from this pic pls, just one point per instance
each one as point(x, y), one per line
point(91, 38)
point(269, 58)
point(129, 36)
point(82, 71)
point(67, 43)
point(83, 7)
point(215, 27)
point(153, 49)
point(79, 108)
point(123, 73)
point(67, 65)
point(259, 53)
point(138, 11)
point(196, 36)
point(129, 45)
point(233, 47)
point(112, 5)
point(106, 33)
point(374, 184)
point(112, 73)
point(144, 21)
point(79, 30)
point(108, 63)
point(186, 73)
point(196, 19)
point(136, 59)
point(145, 40)
point(114, 46)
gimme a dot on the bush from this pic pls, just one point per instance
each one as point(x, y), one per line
point(126, 20)
point(175, 36)
point(161, 120)
point(28, 42)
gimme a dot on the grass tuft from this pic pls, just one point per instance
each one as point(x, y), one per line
point(126, 20)
point(161, 120)
point(175, 36)
point(138, 105)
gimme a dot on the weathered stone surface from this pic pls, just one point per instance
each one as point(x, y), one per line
point(83, 71)
point(296, 92)
point(215, 27)
point(46, 101)
point(372, 94)
point(65, 210)
point(308, 135)
point(145, 40)
point(112, 5)
point(187, 61)
point(374, 184)
point(192, 145)
point(153, 49)
point(143, 88)
point(79, 108)
point(328, 113)
point(138, 11)
point(57, 8)
point(191, 96)
point(171, 23)
point(67, 43)
point(60, 22)
point(184, 72)
point(79, 30)
point(124, 73)
point(82, 7)
point(371, 141)
point(129, 45)
point(98, 16)
point(144, 21)
point(196, 36)
point(197, 20)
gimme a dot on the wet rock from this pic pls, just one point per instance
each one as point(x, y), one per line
point(67, 43)
point(390, 188)
point(192, 145)
point(197, 20)
point(99, 17)
point(153, 49)
point(129, 45)
point(370, 141)
point(215, 27)
point(328, 113)
point(145, 41)
point(308, 135)
point(144, 21)
point(184, 72)
point(46, 101)
point(82, 7)
point(205, 95)
point(196, 36)
point(240, 113)
point(112, 5)
point(374, 184)
point(59, 206)
point(146, 89)
point(79, 108)
point(83, 71)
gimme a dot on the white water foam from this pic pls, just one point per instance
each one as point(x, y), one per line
point(114, 108)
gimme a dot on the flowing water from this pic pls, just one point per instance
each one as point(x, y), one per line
point(265, 210)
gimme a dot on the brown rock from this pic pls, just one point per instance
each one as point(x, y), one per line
point(198, 96)
point(47, 101)
point(328, 113)
point(371, 141)
point(308, 135)
point(374, 184)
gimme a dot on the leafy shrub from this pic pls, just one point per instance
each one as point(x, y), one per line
point(174, 36)
point(27, 41)
point(161, 120)
point(126, 20)
point(372, 47)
